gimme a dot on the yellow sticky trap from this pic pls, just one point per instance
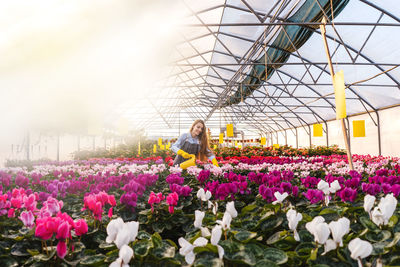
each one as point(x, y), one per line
point(236, 144)
point(229, 130)
point(186, 164)
point(159, 141)
point(138, 151)
point(167, 146)
point(276, 146)
point(317, 130)
point(340, 96)
point(263, 141)
point(215, 146)
point(155, 149)
point(359, 128)
point(240, 146)
point(162, 147)
point(221, 138)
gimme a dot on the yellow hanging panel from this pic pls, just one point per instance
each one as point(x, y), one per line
point(340, 96)
point(229, 130)
point(155, 149)
point(221, 138)
point(317, 130)
point(359, 128)
point(160, 141)
point(263, 141)
point(138, 149)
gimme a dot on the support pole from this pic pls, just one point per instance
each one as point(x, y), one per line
point(58, 146)
point(309, 135)
point(344, 130)
point(379, 133)
point(297, 138)
point(27, 145)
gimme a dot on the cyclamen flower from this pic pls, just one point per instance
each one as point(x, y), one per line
point(293, 218)
point(155, 199)
point(203, 176)
point(348, 194)
point(314, 196)
point(81, 227)
point(174, 179)
point(359, 249)
point(181, 190)
point(27, 218)
point(172, 200)
point(319, 228)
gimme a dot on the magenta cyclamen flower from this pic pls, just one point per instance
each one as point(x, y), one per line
point(314, 196)
point(174, 179)
point(371, 189)
point(352, 183)
point(310, 181)
point(348, 194)
point(395, 190)
point(266, 192)
point(129, 199)
point(203, 176)
point(181, 190)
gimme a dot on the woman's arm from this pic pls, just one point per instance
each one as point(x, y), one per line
point(178, 144)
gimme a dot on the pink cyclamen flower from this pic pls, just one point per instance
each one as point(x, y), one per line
point(11, 213)
point(110, 212)
point(81, 227)
point(63, 231)
point(27, 218)
point(172, 200)
point(61, 249)
point(348, 194)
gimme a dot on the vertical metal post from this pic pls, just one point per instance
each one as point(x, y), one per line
point(309, 135)
point(379, 134)
point(27, 145)
point(58, 146)
point(285, 137)
point(327, 134)
point(297, 138)
point(345, 136)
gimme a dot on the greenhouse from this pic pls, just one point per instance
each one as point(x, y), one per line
point(200, 133)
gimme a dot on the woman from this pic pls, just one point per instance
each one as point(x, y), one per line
point(195, 142)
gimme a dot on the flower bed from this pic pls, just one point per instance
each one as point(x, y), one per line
point(262, 211)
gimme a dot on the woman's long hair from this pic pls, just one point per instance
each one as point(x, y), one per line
point(203, 138)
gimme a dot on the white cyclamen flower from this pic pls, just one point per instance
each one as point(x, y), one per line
point(127, 234)
point(319, 228)
point(279, 197)
point(387, 205)
point(359, 249)
point(329, 245)
point(202, 195)
point(226, 221)
point(125, 256)
point(199, 215)
point(216, 233)
point(324, 187)
point(214, 207)
point(187, 248)
point(230, 207)
point(293, 218)
point(369, 203)
point(112, 229)
point(334, 186)
point(339, 228)
point(377, 216)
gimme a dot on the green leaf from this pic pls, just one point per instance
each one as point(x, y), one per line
point(378, 236)
point(20, 250)
point(44, 257)
point(395, 240)
point(276, 237)
point(276, 255)
point(257, 249)
point(156, 239)
point(327, 211)
point(245, 236)
point(106, 246)
point(367, 223)
point(93, 260)
point(8, 261)
point(158, 226)
point(15, 237)
point(304, 249)
point(165, 250)
point(393, 221)
point(143, 235)
point(208, 259)
point(142, 248)
point(33, 252)
point(379, 248)
point(248, 209)
point(264, 262)
point(271, 223)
